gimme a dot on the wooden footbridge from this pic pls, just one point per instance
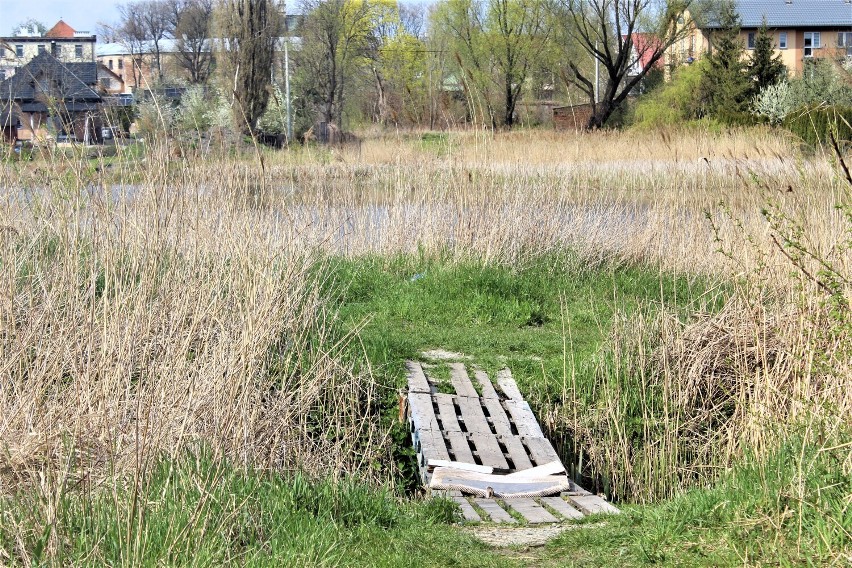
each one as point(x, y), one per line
point(480, 444)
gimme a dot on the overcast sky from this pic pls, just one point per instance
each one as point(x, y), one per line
point(82, 15)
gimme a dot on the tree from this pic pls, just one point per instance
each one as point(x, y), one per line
point(607, 32)
point(726, 86)
point(766, 67)
point(497, 44)
point(29, 24)
point(336, 39)
point(131, 34)
point(190, 23)
point(249, 30)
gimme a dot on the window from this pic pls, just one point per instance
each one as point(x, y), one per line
point(41, 49)
point(121, 63)
point(782, 40)
point(110, 65)
point(55, 49)
point(19, 50)
point(844, 39)
point(78, 51)
point(751, 36)
point(812, 42)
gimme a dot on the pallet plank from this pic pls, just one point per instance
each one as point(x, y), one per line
point(468, 512)
point(489, 452)
point(420, 412)
point(497, 416)
point(474, 417)
point(541, 451)
point(432, 464)
point(447, 412)
point(484, 485)
point(592, 504)
point(553, 468)
point(517, 452)
point(559, 505)
point(523, 418)
point(485, 384)
point(417, 381)
point(460, 447)
point(461, 382)
point(494, 510)
point(508, 385)
point(430, 445)
point(531, 511)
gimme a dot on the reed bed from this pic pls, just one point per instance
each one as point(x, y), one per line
point(155, 304)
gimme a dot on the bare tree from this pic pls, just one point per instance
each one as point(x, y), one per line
point(335, 35)
point(249, 30)
point(154, 16)
point(189, 21)
point(609, 31)
point(131, 34)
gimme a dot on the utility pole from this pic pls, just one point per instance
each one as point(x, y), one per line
point(287, 90)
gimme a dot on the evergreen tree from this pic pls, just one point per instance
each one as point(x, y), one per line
point(726, 87)
point(766, 67)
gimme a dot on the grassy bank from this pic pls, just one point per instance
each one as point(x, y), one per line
point(195, 511)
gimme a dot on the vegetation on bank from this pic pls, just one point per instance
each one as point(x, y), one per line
point(262, 313)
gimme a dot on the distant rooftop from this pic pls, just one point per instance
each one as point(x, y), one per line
point(792, 13)
point(60, 30)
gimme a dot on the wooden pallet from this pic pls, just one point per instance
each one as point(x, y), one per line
point(487, 425)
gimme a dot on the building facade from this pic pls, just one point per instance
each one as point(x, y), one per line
point(61, 41)
point(801, 30)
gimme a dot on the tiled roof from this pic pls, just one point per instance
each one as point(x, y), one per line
point(791, 14)
point(71, 82)
point(61, 29)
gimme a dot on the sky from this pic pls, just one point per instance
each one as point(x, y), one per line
point(82, 15)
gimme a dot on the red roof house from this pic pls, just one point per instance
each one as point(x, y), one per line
point(61, 29)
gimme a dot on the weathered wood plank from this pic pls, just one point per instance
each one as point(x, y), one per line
point(559, 505)
point(468, 512)
point(417, 381)
point(474, 417)
point(460, 447)
point(447, 412)
point(484, 485)
point(531, 511)
point(592, 504)
point(517, 451)
point(489, 451)
point(508, 385)
point(541, 451)
point(485, 384)
point(421, 413)
point(523, 418)
point(497, 416)
point(461, 382)
point(494, 511)
point(429, 444)
point(432, 464)
point(552, 468)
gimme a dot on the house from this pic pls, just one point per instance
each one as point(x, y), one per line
point(61, 41)
point(801, 30)
point(48, 97)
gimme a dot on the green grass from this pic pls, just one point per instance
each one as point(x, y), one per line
point(792, 510)
point(526, 318)
point(189, 512)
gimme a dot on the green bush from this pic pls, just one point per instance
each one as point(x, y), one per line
point(673, 102)
point(816, 125)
